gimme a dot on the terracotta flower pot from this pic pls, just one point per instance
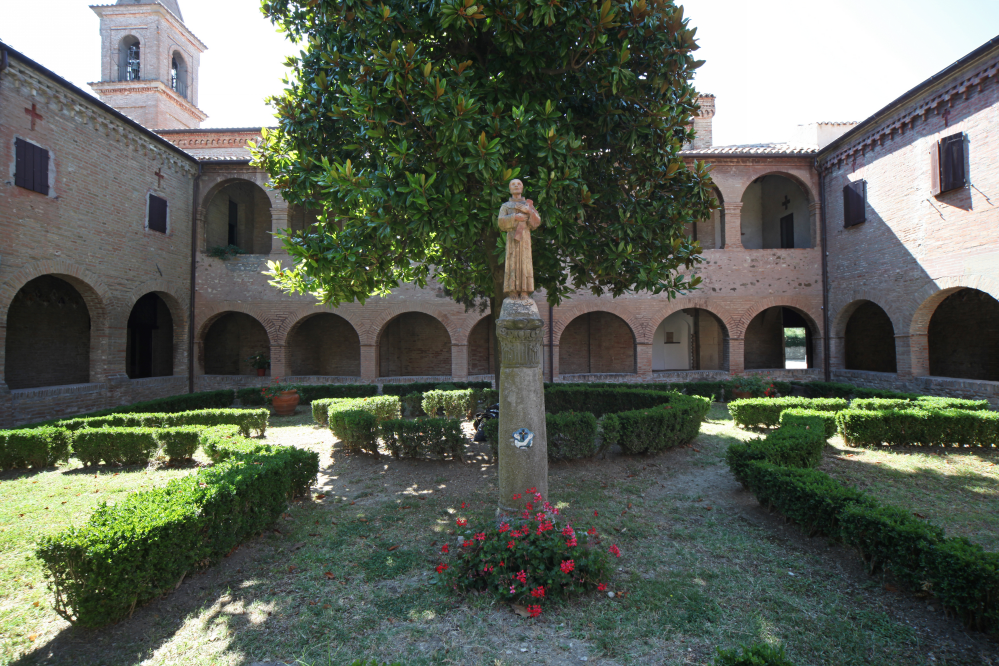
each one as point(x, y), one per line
point(285, 403)
point(741, 395)
point(261, 372)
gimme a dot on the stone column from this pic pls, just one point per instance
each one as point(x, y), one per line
point(919, 356)
point(736, 356)
point(733, 226)
point(522, 403)
point(279, 360)
point(459, 362)
point(837, 353)
point(369, 363)
point(643, 361)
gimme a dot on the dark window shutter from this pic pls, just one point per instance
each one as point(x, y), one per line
point(935, 169)
point(31, 167)
point(787, 231)
point(855, 203)
point(952, 175)
point(157, 214)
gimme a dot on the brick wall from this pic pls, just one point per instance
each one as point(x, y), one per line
point(229, 341)
point(325, 344)
point(870, 340)
point(597, 342)
point(481, 348)
point(414, 344)
point(765, 340)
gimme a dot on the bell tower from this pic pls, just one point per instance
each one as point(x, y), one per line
point(149, 64)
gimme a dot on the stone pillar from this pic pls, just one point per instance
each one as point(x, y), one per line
point(919, 356)
point(522, 403)
point(459, 362)
point(643, 361)
point(279, 360)
point(369, 363)
point(837, 353)
point(815, 222)
point(733, 226)
point(279, 222)
point(736, 356)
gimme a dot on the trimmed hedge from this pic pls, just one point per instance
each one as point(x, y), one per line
point(923, 402)
point(752, 412)
point(143, 546)
point(423, 387)
point(571, 435)
point(458, 404)
point(357, 429)
point(798, 443)
point(309, 393)
point(849, 391)
point(602, 400)
point(34, 447)
point(412, 405)
point(828, 418)
point(384, 407)
point(246, 419)
point(424, 438)
point(115, 445)
point(658, 428)
point(919, 427)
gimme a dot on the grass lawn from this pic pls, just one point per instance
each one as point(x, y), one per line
point(347, 575)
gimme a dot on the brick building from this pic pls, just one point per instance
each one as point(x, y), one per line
point(112, 290)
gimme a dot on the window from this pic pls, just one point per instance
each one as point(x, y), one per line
point(787, 231)
point(31, 169)
point(130, 59)
point(947, 164)
point(157, 214)
point(178, 75)
point(855, 203)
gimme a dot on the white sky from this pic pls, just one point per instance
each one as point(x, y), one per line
point(772, 64)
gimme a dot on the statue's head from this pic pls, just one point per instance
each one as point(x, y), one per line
point(516, 187)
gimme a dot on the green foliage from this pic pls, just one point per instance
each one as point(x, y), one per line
point(143, 546)
point(424, 438)
point(406, 389)
point(542, 547)
point(571, 435)
point(356, 428)
point(180, 443)
point(310, 392)
point(656, 429)
point(246, 419)
point(922, 402)
point(177, 403)
point(457, 404)
point(849, 391)
point(603, 400)
point(403, 122)
point(828, 418)
point(115, 445)
point(225, 252)
point(412, 405)
point(222, 442)
point(797, 443)
point(752, 412)
point(759, 654)
point(919, 427)
point(34, 447)
point(383, 407)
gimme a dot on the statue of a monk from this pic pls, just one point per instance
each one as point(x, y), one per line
point(517, 217)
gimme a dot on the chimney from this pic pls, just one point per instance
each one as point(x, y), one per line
point(702, 122)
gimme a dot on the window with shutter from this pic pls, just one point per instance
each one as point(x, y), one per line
point(855, 203)
point(31, 169)
point(157, 214)
point(952, 176)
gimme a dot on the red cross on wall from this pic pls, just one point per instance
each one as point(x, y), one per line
point(159, 174)
point(35, 116)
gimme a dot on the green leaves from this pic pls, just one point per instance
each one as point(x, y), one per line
point(578, 99)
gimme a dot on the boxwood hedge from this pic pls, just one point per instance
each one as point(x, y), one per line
point(752, 412)
point(34, 447)
point(658, 428)
point(247, 419)
point(143, 546)
point(424, 438)
point(919, 427)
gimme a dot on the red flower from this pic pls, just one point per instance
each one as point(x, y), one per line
point(462, 505)
point(529, 506)
point(602, 587)
point(594, 514)
point(534, 610)
point(502, 564)
point(511, 545)
point(615, 551)
point(592, 531)
point(531, 491)
point(462, 522)
point(538, 592)
point(445, 548)
point(481, 536)
point(571, 543)
point(567, 565)
point(441, 567)
point(516, 496)
point(521, 576)
point(505, 527)
point(567, 531)
point(487, 569)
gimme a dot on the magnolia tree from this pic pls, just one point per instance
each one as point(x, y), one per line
point(402, 123)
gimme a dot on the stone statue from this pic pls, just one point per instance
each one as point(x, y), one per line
point(517, 217)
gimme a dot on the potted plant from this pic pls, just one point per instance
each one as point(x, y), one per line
point(259, 361)
point(747, 386)
point(283, 397)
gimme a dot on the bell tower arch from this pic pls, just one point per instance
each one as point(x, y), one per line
point(149, 63)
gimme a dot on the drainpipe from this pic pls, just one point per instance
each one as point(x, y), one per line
point(826, 366)
point(194, 264)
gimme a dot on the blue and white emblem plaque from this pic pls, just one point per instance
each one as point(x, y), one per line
point(523, 438)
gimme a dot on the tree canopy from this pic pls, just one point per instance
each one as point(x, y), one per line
point(402, 123)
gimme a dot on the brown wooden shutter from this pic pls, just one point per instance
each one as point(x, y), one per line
point(952, 175)
point(935, 169)
point(855, 203)
point(31, 166)
point(20, 163)
point(41, 171)
point(157, 214)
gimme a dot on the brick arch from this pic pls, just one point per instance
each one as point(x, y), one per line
point(738, 328)
point(165, 290)
point(212, 183)
point(270, 323)
point(372, 329)
point(926, 300)
point(701, 303)
point(639, 328)
point(420, 352)
point(308, 351)
point(742, 184)
point(854, 300)
point(291, 323)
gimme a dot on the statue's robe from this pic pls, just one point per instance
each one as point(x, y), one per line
point(519, 267)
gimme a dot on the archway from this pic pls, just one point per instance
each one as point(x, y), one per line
point(239, 215)
point(324, 344)
point(964, 336)
point(149, 342)
point(870, 340)
point(597, 343)
point(691, 339)
point(229, 342)
point(414, 344)
point(48, 335)
point(775, 214)
point(178, 74)
point(709, 232)
point(779, 338)
point(129, 59)
point(482, 348)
